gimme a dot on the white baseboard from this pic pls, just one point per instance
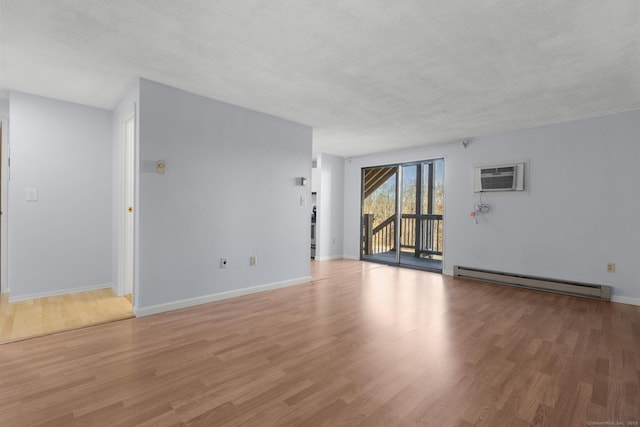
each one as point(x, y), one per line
point(353, 257)
point(625, 300)
point(329, 258)
point(58, 292)
point(189, 302)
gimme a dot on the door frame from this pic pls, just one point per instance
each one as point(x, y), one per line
point(399, 191)
point(127, 173)
point(4, 206)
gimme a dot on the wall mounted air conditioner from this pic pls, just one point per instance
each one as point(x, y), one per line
point(502, 177)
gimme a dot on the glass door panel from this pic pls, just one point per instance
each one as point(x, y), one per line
point(422, 246)
point(419, 225)
point(410, 210)
point(379, 214)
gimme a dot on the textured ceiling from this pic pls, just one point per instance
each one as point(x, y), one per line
point(368, 75)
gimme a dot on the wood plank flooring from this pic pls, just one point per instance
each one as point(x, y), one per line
point(42, 316)
point(363, 344)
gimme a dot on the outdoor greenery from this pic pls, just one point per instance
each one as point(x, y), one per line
point(381, 204)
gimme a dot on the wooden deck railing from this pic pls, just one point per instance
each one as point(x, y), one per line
point(422, 234)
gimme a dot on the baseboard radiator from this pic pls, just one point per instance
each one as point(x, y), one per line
point(588, 290)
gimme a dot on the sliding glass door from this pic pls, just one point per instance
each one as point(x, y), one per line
point(402, 208)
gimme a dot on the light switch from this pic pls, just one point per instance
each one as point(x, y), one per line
point(32, 194)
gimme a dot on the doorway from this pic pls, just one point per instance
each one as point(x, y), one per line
point(126, 248)
point(402, 214)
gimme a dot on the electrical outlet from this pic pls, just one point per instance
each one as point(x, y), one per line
point(224, 262)
point(611, 267)
point(253, 260)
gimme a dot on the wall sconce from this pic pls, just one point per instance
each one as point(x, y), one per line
point(303, 181)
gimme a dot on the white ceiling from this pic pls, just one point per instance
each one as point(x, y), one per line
point(368, 75)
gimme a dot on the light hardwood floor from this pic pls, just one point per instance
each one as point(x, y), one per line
point(43, 316)
point(363, 344)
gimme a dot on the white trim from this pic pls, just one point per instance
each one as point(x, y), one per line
point(353, 257)
point(4, 207)
point(189, 302)
point(329, 258)
point(60, 292)
point(625, 300)
point(123, 203)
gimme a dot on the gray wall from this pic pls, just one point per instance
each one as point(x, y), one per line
point(4, 107)
point(330, 207)
point(63, 241)
point(579, 214)
point(230, 190)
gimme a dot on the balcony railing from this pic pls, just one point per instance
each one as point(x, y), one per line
point(421, 234)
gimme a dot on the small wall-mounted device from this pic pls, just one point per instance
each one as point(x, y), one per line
point(303, 181)
point(32, 195)
point(160, 166)
point(482, 208)
point(479, 208)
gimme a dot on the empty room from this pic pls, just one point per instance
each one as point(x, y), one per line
point(298, 213)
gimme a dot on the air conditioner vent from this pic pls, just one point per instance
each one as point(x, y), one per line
point(508, 177)
point(503, 178)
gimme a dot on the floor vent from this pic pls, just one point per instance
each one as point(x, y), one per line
point(588, 290)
